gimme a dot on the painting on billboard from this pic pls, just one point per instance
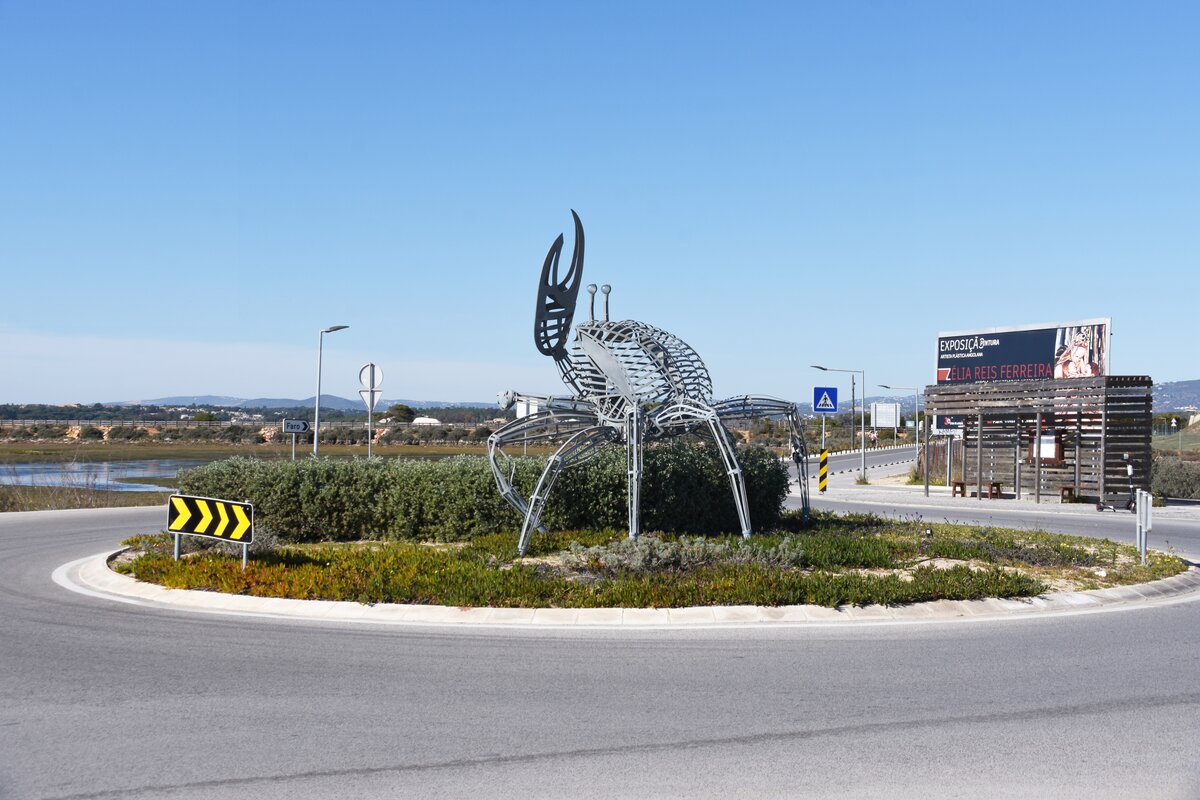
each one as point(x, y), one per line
point(1036, 352)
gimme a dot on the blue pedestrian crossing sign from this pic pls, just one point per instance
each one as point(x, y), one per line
point(825, 399)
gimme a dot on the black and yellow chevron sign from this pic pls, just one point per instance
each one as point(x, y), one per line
point(205, 516)
point(823, 475)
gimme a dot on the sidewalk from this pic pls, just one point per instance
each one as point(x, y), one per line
point(888, 485)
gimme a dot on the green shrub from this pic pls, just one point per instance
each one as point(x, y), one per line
point(89, 433)
point(126, 433)
point(1171, 477)
point(684, 490)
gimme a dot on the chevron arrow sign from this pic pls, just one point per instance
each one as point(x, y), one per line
point(206, 516)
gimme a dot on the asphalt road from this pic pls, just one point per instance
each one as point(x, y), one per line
point(107, 700)
point(1170, 532)
point(852, 461)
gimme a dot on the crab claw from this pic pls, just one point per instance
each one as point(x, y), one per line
point(556, 298)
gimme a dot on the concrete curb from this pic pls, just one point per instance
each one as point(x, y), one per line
point(92, 576)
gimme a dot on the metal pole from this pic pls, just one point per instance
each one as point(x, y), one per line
point(371, 411)
point(916, 421)
point(822, 431)
point(950, 460)
point(853, 408)
point(1145, 504)
point(293, 447)
point(317, 403)
point(1037, 461)
point(1017, 461)
point(1103, 449)
point(926, 456)
point(864, 425)
point(979, 458)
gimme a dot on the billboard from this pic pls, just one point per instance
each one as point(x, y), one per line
point(885, 415)
point(1028, 353)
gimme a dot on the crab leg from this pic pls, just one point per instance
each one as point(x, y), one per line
point(763, 406)
point(684, 415)
point(539, 427)
point(633, 462)
point(577, 448)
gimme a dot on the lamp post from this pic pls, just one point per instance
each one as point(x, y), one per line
point(317, 404)
point(1175, 424)
point(916, 410)
point(862, 439)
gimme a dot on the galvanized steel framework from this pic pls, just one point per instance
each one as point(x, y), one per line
point(1091, 425)
point(630, 383)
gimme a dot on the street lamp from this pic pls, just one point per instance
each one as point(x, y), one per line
point(862, 439)
point(317, 409)
point(1175, 424)
point(916, 410)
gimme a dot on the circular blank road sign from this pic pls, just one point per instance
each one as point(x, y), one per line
point(365, 376)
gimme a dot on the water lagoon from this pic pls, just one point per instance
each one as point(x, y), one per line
point(113, 476)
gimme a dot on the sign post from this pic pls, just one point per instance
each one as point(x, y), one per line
point(825, 401)
point(1145, 521)
point(370, 376)
point(295, 426)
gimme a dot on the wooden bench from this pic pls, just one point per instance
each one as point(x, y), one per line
point(1066, 493)
point(958, 488)
point(994, 490)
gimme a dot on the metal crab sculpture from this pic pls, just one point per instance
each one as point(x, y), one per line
point(630, 383)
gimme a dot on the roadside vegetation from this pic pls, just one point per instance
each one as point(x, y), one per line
point(56, 498)
point(685, 490)
point(837, 560)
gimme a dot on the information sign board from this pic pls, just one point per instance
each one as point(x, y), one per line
point(885, 415)
point(1054, 351)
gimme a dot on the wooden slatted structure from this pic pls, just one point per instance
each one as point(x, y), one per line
point(1089, 427)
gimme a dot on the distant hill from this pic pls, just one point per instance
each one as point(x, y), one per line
point(327, 401)
point(1167, 397)
point(1176, 395)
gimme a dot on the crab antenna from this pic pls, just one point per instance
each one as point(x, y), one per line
point(606, 289)
point(591, 287)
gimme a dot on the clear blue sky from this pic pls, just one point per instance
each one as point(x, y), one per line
point(190, 191)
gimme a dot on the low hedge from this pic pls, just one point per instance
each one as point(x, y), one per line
point(684, 490)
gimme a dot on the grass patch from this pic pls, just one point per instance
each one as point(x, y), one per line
point(841, 560)
point(57, 498)
point(916, 477)
point(166, 483)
